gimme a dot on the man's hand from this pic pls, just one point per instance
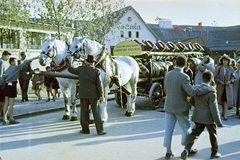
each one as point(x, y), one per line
point(221, 82)
point(212, 89)
point(101, 99)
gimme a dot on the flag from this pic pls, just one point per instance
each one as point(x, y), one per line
point(176, 29)
point(200, 25)
point(207, 36)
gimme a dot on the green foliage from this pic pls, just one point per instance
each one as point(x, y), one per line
point(15, 10)
point(58, 12)
point(97, 18)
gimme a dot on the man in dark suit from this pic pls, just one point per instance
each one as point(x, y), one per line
point(205, 114)
point(90, 92)
point(177, 87)
point(24, 77)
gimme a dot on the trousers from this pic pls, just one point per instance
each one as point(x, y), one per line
point(170, 122)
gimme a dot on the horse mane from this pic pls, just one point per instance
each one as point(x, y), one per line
point(60, 46)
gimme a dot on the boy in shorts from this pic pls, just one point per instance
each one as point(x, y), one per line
point(10, 88)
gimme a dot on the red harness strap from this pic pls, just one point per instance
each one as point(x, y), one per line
point(62, 66)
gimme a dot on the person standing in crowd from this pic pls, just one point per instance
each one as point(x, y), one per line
point(48, 82)
point(203, 66)
point(177, 87)
point(224, 79)
point(236, 89)
point(189, 72)
point(205, 114)
point(5, 57)
point(234, 64)
point(37, 84)
point(90, 93)
point(24, 76)
point(10, 88)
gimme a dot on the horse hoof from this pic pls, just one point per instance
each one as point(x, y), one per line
point(73, 119)
point(91, 122)
point(65, 117)
point(129, 114)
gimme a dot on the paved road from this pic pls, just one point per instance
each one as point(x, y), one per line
point(47, 137)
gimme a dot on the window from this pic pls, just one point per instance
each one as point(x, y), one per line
point(129, 34)
point(121, 34)
point(9, 39)
point(34, 40)
point(137, 34)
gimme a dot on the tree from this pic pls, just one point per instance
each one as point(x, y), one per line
point(57, 12)
point(97, 17)
point(15, 10)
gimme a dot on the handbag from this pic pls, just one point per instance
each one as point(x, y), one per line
point(103, 111)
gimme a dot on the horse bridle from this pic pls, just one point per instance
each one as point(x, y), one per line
point(53, 50)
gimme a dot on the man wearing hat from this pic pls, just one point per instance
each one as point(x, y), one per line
point(5, 57)
point(90, 93)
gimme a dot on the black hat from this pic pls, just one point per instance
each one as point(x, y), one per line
point(6, 53)
point(91, 58)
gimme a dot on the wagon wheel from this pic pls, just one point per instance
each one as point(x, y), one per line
point(155, 95)
point(118, 99)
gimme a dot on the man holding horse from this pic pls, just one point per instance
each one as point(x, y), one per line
point(90, 93)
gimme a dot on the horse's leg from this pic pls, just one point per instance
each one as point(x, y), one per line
point(104, 114)
point(131, 99)
point(66, 116)
point(73, 102)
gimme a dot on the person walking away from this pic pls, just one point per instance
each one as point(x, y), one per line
point(25, 75)
point(37, 84)
point(90, 93)
point(236, 89)
point(48, 82)
point(5, 57)
point(177, 87)
point(203, 66)
point(224, 79)
point(10, 88)
point(205, 114)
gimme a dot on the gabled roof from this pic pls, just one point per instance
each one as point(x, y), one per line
point(216, 38)
point(128, 8)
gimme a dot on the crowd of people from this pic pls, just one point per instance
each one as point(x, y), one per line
point(205, 89)
point(215, 87)
point(20, 72)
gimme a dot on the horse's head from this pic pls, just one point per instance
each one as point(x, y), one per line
point(49, 51)
point(77, 48)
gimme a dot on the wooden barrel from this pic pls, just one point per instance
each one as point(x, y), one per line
point(159, 69)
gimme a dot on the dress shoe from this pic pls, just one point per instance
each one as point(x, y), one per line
point(217, 155)
point(184, 154)
point(84, 132)
point(169, 155)
point(102, 133)
point(192, 152)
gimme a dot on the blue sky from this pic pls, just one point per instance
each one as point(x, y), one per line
point(189, 12)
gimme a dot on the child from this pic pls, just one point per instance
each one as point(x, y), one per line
point(10, 88)
point(48, 82)
point(37, 84)
point(205, 114)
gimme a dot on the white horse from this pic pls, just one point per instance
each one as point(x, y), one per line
point(55, 50)
point(123, 70)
